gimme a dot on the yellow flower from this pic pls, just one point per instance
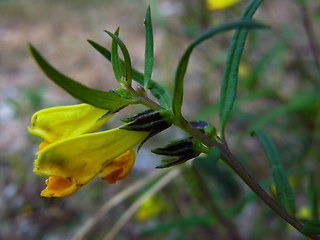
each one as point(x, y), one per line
point(220, 4)
point(244, 69)
point(304, 213)
point(151, 207)
point(70, 156)
point(293, 181)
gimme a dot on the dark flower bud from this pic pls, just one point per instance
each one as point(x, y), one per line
point(153, 121)
point(205, 128)
point(150, 120)
point(179, 151)
point(131, 119)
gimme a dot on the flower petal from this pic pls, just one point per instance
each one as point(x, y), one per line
point(81, 158)
point(57, 123)
point(119, 167)
point(59, 187)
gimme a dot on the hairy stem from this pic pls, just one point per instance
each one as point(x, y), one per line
point(144, 100)
point(232, 162)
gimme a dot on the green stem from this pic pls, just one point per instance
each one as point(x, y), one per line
point(232, 162)
point(144, 100)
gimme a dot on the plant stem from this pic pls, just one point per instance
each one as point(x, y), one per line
point(144, 100)
point(232, 162)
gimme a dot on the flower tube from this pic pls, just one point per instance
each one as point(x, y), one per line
point(71, 157)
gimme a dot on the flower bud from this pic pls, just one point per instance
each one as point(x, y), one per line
point(153, 121)
point(179, 151)
point(150, 120)
point(205, 128)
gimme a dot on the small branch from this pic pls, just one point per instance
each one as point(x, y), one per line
point(144, 100)
point(230, 160)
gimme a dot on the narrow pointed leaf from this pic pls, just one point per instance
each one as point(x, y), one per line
point(208, 165)
point(283, 189)
point(126, 56)
point(183, 63)
point(230, 75)
point(300, 101)
point(156, 89)
point(311, 227)
point(148, 64)
point(102, 50)
point(96, 98)
point(252, 95)
point(260, 67)
point(115, 58)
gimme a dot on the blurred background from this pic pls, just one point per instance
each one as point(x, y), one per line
point(277, 80)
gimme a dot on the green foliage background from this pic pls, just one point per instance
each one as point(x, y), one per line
point(278, 91)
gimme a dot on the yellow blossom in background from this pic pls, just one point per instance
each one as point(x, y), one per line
point(293, 181)
point(244, 69)
point(70, 156)
point(220, 4)
point(151, 207)
point(304, 213)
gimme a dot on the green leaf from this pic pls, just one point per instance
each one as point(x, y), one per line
point(249, 81)
point(252, 95)
point(156, 89)
point(208, 163)
point(301, 2)
point(284, 191)
point(126, 56)
point(97, 98)
point(115, 58)
point(300, 101)
point(224, 180)
point(148, 64)
point(259, 67)
point(311, 227)
point(183, 63)
point(230, 75)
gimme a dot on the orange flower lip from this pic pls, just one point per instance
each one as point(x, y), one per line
point(43, 144)
point(119, 167)
point(58, 183)
point(71, 155)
